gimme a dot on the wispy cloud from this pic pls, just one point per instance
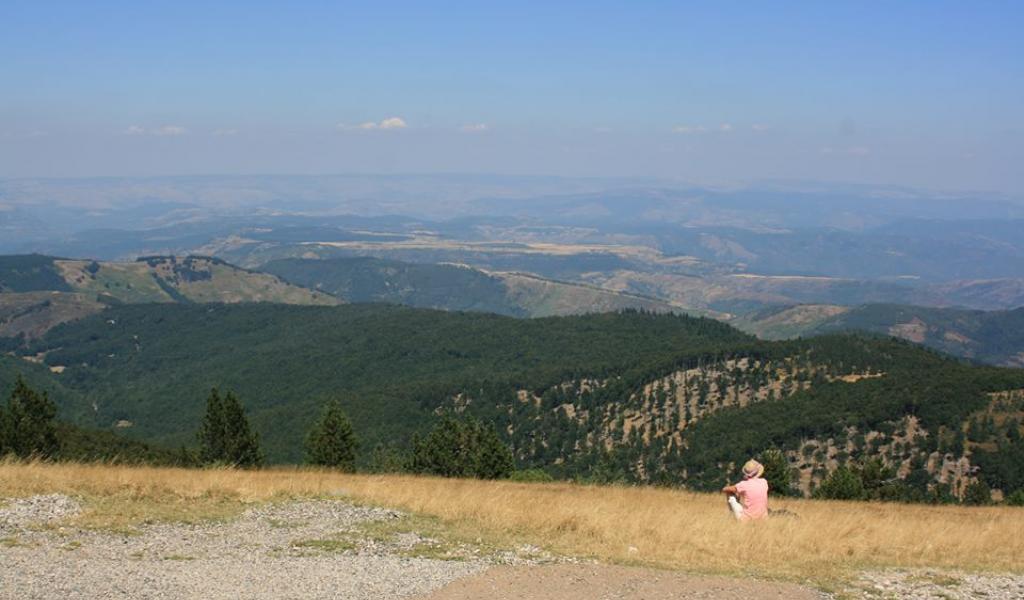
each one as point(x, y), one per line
point(474, 128)
point(391, 123)
point(687, 129)
point(721, 128)
point(759, 127)
point(163, 130)
point(224, 132)
point(848, 151)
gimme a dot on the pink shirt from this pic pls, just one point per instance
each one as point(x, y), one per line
point(753, 494)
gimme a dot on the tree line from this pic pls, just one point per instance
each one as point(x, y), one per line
point(453, 448)
point(457, 446)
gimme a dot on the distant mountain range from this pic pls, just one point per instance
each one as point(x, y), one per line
point(454, 287)
point(40, 292)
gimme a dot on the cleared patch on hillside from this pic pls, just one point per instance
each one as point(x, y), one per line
point(34, 313)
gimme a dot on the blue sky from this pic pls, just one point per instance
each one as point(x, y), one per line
point(916, 93)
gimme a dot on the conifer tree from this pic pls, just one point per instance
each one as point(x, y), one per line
point(462, 448)
point(212, 430)
point(225, 436)
point(777, 472)
point(243, 444)
point(331, 442)
point(27, 425)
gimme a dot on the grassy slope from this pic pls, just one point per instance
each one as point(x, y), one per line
point(658, 527)
point(540, 297)
point(34, 313)
point(190, 279)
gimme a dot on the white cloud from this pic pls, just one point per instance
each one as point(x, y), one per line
point(224, 132)
point(759, 127)
point(163, 130)
point(474, 128)
point(393, 123)
point(389, 123)
point(725, 127)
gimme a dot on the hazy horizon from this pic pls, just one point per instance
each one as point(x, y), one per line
point(922, 95)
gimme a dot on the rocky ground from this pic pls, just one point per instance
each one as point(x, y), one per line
point(333, 549)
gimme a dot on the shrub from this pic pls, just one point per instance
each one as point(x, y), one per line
point(532, 476)
point(978, 494)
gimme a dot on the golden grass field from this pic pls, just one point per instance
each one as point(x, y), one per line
point(664, 528)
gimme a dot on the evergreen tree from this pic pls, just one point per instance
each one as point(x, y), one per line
point(841, 484)
point(27, 426)
point(212, 431)
point(462, 448)
point(331, 442)
point(388, 459)
point(978, 494)
point(777, 472)
point(225, 436)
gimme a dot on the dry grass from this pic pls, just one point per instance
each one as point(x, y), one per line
point(655, 527)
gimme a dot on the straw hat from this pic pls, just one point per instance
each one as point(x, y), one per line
point(752, 469)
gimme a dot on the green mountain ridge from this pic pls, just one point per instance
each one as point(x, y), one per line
point(454, 287)
point(630, 396)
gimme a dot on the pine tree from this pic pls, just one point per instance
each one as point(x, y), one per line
point(225, 436)
point(842, 484)
point(462, 448)
point(243, 445)
point(27, 426)
point(212, 430)
point(331, 442)
point(777, 472)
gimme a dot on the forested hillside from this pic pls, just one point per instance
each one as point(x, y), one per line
point(995, 337)
point(152, 365)
point(366, 279)
point(453, 287)
point(622, 396)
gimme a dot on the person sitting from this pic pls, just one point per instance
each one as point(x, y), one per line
point(748, 499)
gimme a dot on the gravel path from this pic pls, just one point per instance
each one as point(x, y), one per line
point(604, 582)
point(301, 550)
point(939, 585)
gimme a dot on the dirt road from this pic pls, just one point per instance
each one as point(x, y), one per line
point(602, 582)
